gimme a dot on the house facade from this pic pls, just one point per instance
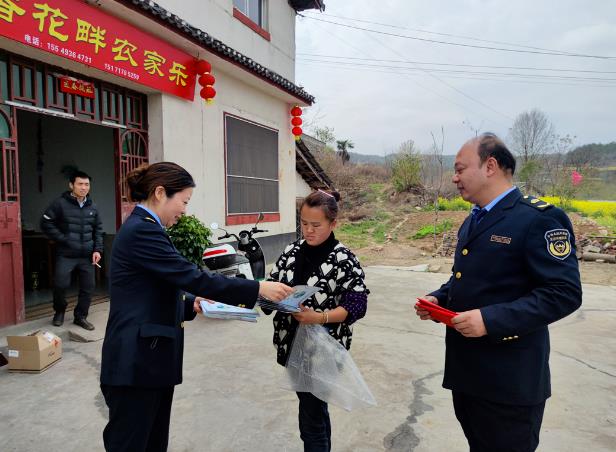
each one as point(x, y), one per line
point(106, 85)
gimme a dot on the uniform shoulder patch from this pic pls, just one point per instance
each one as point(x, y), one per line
point(150, 219)
point(537, 203)
point(558, 243)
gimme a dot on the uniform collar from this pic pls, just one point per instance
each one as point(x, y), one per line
point(152, 214)
point(496, 200)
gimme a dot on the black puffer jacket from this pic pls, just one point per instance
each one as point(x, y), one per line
point(78, 231)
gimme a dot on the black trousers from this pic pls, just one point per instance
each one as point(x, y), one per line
point(496, 427)
point(138, 418)
point(314, 425)
point(62, 281)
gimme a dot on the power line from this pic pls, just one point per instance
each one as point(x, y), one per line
point(459, 91)
point(432, 70)
point(435, 41)
point(436, 93)
point(471, 38)
point(529, 68)
point(381, 69)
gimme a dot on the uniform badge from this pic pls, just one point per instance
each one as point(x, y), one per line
point(559, 243)
point(500, 239)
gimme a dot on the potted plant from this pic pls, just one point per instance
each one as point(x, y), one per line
point(190, 236)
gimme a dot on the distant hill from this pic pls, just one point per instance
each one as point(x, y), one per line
point(368, 158)
point(382, 160)
point(595, 154)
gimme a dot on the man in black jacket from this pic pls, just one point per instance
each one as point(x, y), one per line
point(73, 222)
point(515, 271)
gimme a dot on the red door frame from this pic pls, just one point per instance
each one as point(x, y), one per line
point(131, 151)
point(11, 270)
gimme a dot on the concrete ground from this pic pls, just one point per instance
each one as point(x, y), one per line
point(231, 401)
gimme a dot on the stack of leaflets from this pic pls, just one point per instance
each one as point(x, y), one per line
point(223, 311)
point(292, 302)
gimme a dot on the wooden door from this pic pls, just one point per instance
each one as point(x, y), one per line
point(11, 268)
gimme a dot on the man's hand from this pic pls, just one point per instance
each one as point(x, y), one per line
point(470, 323)
point(197, 304)
point(422, 313)
point(274, 291)
point(96, 256)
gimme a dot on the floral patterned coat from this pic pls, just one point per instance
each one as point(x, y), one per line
point(338, 274)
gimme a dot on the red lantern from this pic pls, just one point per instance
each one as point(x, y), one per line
point(297, 131)
point(207, 79)
point(296, 111)
point(203, 67)
point(208, 93)
point(296, 121)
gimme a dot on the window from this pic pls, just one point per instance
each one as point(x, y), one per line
point(252, 168)
point(253, 9)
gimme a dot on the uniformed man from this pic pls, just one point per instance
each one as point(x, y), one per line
point(515, 271)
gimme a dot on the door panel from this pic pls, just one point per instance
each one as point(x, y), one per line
point(11, 272)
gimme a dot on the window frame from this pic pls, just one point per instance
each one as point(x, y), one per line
point(259, 28)
point(248, 217)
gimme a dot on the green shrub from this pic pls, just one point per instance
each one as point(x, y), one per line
point(190, 236)
point(406, 171)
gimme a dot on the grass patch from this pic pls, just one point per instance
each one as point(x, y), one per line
point(360, 234)
point(429, 229)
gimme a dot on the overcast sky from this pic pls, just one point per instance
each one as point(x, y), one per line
point(378, 105)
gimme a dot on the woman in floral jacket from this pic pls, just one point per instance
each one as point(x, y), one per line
point(319, 260)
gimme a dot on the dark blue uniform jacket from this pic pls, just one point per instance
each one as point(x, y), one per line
point(144, 341)
point(519, 268)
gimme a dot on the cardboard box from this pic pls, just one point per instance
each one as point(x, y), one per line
point(33, 353)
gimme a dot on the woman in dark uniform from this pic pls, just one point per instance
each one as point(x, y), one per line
point(144, 341)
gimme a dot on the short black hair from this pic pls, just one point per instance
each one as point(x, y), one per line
point(80, 174)
point(492, 146)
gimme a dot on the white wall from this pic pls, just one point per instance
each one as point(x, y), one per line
point(65, 142)
point(192, 134)
point(302, 189)
point(215, 17)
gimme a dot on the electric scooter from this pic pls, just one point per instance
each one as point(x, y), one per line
point(248, 262)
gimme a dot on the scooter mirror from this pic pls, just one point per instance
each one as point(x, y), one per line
point(214, 226)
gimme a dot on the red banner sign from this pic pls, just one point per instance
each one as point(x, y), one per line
point(74, 86)
point(83, 33)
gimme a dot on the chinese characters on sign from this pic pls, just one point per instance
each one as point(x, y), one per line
point(83, 33)
point(79, 87)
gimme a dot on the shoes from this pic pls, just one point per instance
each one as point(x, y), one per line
point(58, 319)
point(83, 323)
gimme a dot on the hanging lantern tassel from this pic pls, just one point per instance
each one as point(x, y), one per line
point(296, 122)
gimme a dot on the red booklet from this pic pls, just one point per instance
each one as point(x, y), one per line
point(437, 312)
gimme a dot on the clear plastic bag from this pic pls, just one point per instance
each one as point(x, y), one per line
point(319, 364)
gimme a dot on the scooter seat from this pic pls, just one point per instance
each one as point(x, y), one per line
point(218, 262)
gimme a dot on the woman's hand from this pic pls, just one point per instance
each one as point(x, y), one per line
point(197, 304)
point(308, 316)
point(274, 291)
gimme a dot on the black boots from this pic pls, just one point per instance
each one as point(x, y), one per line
point(58, 319)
